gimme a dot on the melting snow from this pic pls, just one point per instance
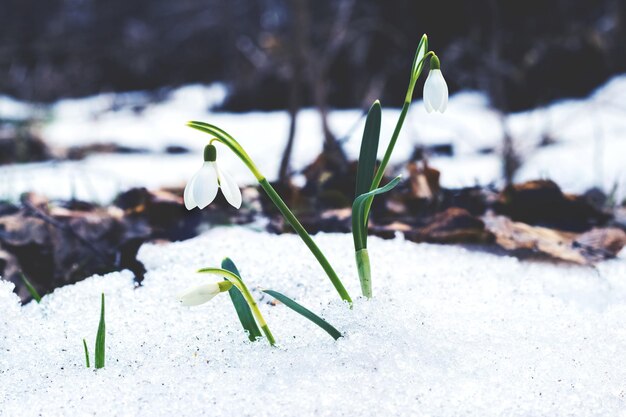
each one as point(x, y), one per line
point(450, 332)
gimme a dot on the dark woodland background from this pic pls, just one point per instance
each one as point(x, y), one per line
point(275, 53)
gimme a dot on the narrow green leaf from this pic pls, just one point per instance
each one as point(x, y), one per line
point(367, 157)
point(369, 150)
point(241, 306)
point(418, 61)
point(100, 338)
point(86, 353)
point(305, 312)
point(416, 68)
point(359, 233)
point(33, 292)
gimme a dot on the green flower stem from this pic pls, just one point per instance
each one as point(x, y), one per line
point(380, 172)
point(238, 282)
point(224, 138)
point(394, 138)
point(359, 233)
point(256, 312)
point(365, 273)
point(297, 226)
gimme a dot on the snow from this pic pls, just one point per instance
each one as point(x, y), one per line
point(589, 137)
point(450, 332)
point(13, 109)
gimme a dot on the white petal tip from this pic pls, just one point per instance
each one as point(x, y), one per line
point(229, 188)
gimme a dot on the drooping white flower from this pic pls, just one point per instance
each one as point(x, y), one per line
point(435, 88)
point(199, 295)
point(201, 190)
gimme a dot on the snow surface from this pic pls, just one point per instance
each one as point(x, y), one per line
point(589, 138)
point(450, 332)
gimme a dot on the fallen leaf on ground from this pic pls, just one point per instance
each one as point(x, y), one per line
point(584, 249)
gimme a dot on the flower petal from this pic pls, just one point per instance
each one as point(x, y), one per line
point(444, 106)
point(443, 87)
point(205, 186)
point(199, 295)
point(436, 91)
point(229, 187)
point(429, 108)
point(190, 203)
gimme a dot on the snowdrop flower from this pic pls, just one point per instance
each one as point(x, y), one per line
point(435, 88)
point(202, 188)
point(204, 293)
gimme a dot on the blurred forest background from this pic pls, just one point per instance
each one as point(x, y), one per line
point(275, 54)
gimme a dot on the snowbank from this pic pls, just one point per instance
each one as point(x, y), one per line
point(450, 332)
point(588, 136)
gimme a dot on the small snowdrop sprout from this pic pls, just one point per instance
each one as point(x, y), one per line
point(435, 88)
point(100, 340)
point(245, 305)
point(201, 190)
point(86, 353)
point(31, 289)
point(204, 293)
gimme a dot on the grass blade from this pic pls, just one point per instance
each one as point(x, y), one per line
point(241, 306)
point(33, 292)
point(303, 311)
point(358, 213)
point(369, 150)
point(100, 338)
point(86, 353)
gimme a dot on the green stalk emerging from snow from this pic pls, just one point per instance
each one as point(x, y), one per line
point(238, 282)
point(435, 99)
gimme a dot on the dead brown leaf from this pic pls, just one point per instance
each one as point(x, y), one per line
point(583, 249)
point(454, 225)
point(424, 180)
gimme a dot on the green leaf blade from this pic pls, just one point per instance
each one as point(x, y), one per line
point(416, 68)
point(369, 150)
point(100, 338)
point(418, 62)
point(241, 306)
point(31, 290)
point(359, 233)
point(305, 312)
point(86, 353)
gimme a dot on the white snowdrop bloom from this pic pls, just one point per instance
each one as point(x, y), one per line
point(199, 295)
point(201, 190)
point(435, 88)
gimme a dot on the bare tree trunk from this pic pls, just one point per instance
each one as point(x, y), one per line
point(332, 148)
point(319, 65)
point(510, 158)
point(299, 28)
point(315, 64)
